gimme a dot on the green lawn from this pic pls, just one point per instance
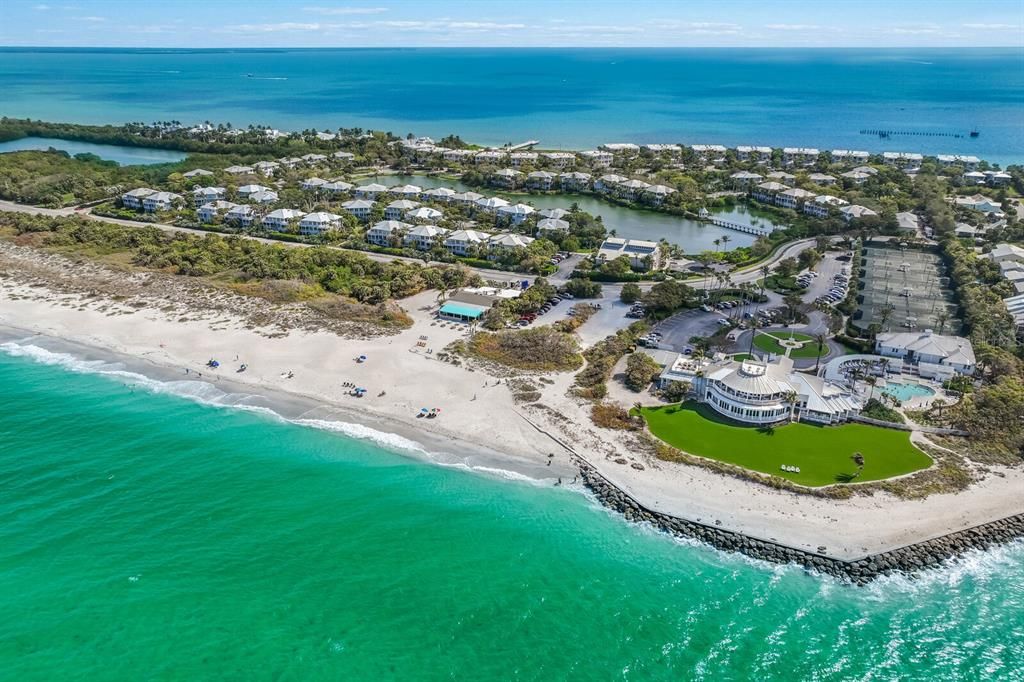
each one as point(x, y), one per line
point(808, 350)
point(822, 453)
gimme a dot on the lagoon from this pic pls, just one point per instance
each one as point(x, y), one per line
point(125, 156)
point(693, 236)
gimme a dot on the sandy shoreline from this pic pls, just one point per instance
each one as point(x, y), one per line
point(480, 426)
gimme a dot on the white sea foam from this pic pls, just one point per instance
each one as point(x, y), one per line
point(362, 432)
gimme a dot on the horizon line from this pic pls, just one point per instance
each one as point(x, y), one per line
point(516, 47)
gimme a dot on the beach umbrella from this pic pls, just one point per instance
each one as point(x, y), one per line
point(424, 410)
point(362, 357)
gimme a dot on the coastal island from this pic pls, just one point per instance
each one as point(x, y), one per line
point(819, 365)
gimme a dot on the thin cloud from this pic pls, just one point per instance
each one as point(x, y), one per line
point(993, 27)
point(41, 8)
point(94, 20)
point(793, 27)
point(345, 11)
point(273, 28)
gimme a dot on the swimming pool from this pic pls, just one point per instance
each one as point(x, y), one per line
point(905, 392)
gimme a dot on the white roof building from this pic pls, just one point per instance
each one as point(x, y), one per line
point(198, 172)
point(424, 214)
point(856, 211)
point(509, 240)
point(637, 250)
point(552, 225)
point(439, 194)
point(517, 213)
point(490, 204)
point(238, 170)
point(383, 232)
point(313, 183)
point(928, 348)
point(318, 222)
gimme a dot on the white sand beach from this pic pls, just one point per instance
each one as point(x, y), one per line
point(479, 423)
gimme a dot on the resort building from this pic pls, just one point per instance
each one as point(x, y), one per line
point(790, 198)
point(709, 152)
point(439, 194)
point(979, 202)
point(908, 222)
point(161, 201)
point(133, 198)
point(672, 150)
point(620, 148)
point(765, 192)
point(823, 179)
point(280, 219)
point(290, 161)
point(642, 255)
point(266, 168)
point(246, 191)
point(336, 187)
point(516, 213)
point(469, 304)
point(935, 355)
point(387, 232)
point(344, 157)
point(968, 163)
point(858, 177)
point(849, 156)
point(313, 183)
point(318, 223)
point(466, 198)
point(781, 176)
point(406, 191)
point(204, 195)
point(360, 208)
point(575, 182)
point(905, 160)
point(268, 196)
point(758, 392)
point(424, 215)
point(631, 189)
point(240, 215)
point(823, 205)
point(197, 173)
point(466, 242)
point(609, 183)
point(207, 213)
point(490, 204)
point(313, 159)
point(490, 156)
point(239, 170)
point(552, 225)
point(508, 241)
point(656, 194)
point(555, 213)
point(397, 209)
point(424, 237)
point(540, 180)
point(800, 156)
point(518, 159)
point(998, 178)
point(506, 177)
point(458, 155)
point(598, 157)
point(559, 159)
point(745, 178)
point(756, 154)
point(370, 191)
point(855, 212)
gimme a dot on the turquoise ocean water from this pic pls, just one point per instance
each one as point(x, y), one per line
point(564, 97)
point(147, 535)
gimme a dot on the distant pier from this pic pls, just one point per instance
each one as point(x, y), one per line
point(739, 227)
point(523, 145)
point(909, 133)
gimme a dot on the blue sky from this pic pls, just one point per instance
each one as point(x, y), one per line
point(523, 23)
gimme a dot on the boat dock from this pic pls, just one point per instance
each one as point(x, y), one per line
point(523, 145)
point(911, 133)
point(739, 227)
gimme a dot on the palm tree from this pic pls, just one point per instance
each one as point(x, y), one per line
point(725, 241)
point(791, 398)
point(820, 338)
point(887, 311)
point(942, 318)
point(858, 459)
point(871, 380)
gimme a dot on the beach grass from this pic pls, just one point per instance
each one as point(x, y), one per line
point(823, 453)
point(769, 341)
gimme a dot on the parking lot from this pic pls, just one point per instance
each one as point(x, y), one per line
point(827, 270)
point(676, 331)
